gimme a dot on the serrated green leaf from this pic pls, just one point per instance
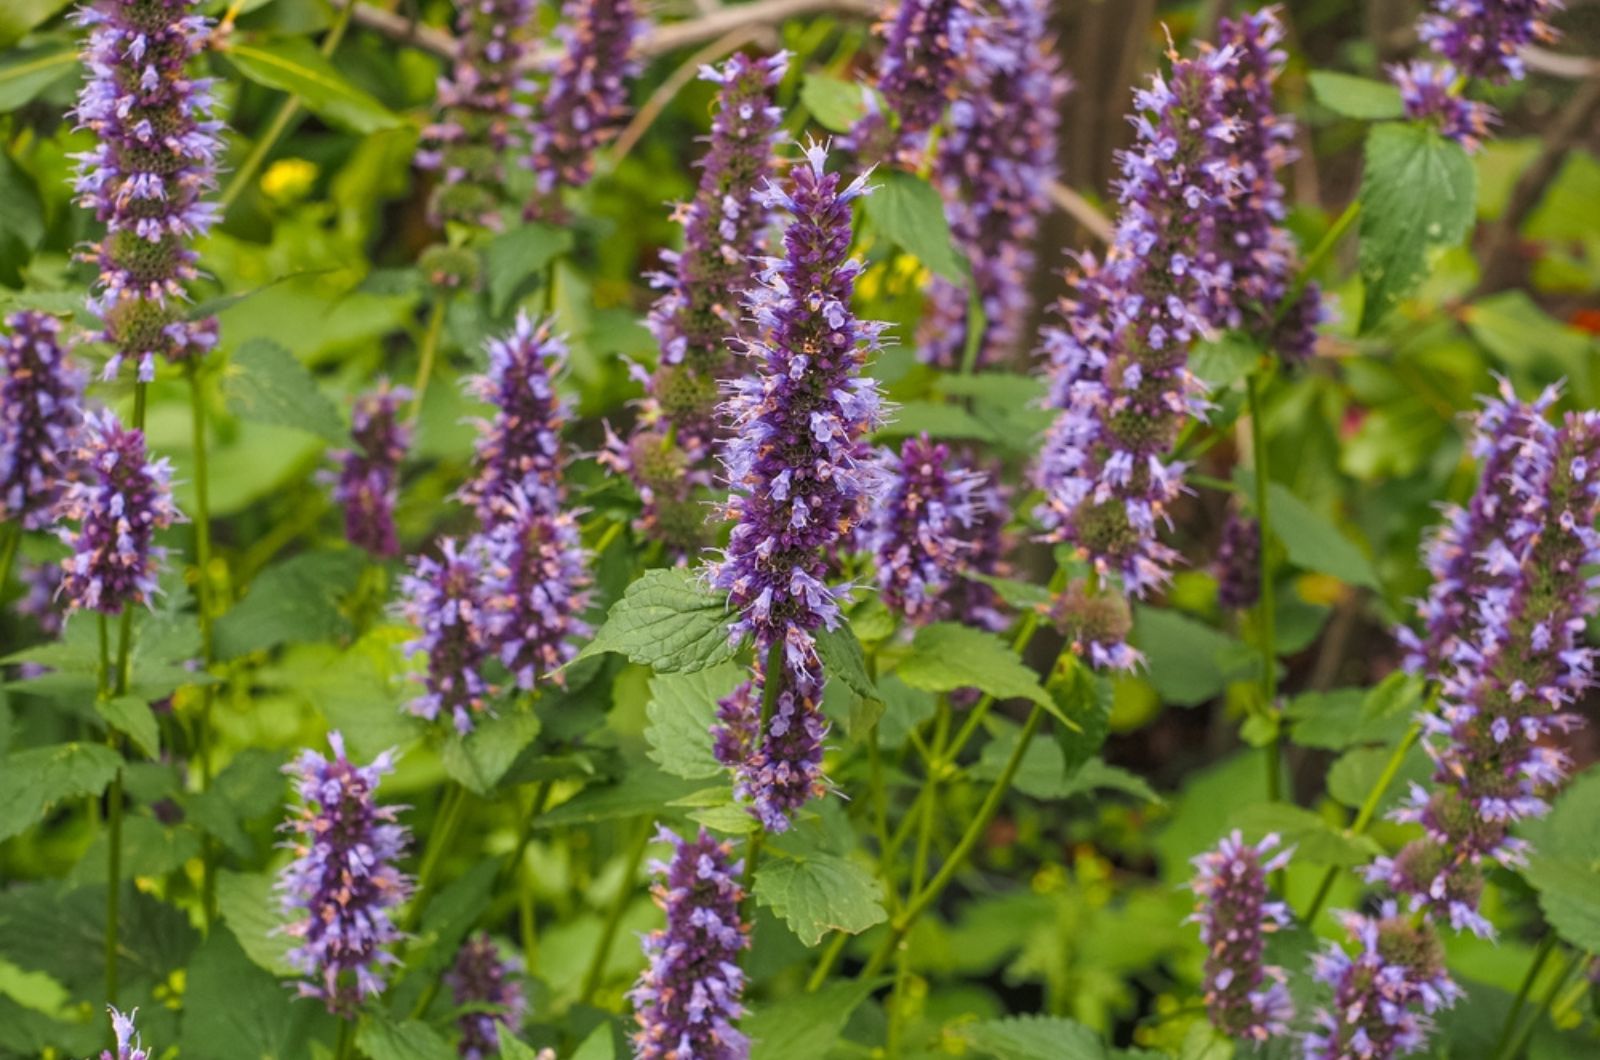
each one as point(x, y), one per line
point(1225, 360)
point(1314, 543)
point(837, 105)
point(19, 17)
point(518, 256)
point(132, 716)
point(819, 894)
point(641, 791)
point(1034, 1038)
point(149, 849)
point(938, 421)
point(843, 658)
point(265, 383)
point(235, 1010)
point(909, 212)
point(1565, 863)
point(1314, 839)
point(33, 781)
point(1357, 97)
point(293, 65)
point(402, 1040)
point(1188, 661)
point(249, 905)
point(946, 657)
point(1522, 337)
point(478, 760)
point(1000, 388)
point(681, 710)
point(1355, 773)
point(1417, 196)
point(804, 1026)
point(669, 621)
point(291, 602)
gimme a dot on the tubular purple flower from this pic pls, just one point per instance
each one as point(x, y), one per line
point(444, 599)
point(1238, 563)
point(927, 43)
point(129, 1047)
point(342, 885)
point(483, 976)
point(1432, 92)
point(155, 156)
point(1384, 994)
point(519, 450)
point(1485, 38)
point(535, 590)
point(482, 114)
point(119, 501)
point(368, 483)
point(1245, 997)
point(977, 602)
point(779, 769)
point(586, 100)
point(41, 397)
point(994, 164)
point(688, 998)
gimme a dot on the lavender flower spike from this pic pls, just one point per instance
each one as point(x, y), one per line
point(1246, 998)
point(155, 156)
point(587, 97)
point(368, 483)
point(519, 450)
point(129, 1047)
point(1431, 92)
point(342, 884)
point(120, 502)
point(444, 599)
point(41, 395)
point(1485, 38)
point(536, 579)
point(1238, 563)
point(481, 976)
point(1384, 994)
point(927, 43)
point(688, 999)
point(482, 114)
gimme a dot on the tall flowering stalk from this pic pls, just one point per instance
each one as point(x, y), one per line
point(995, 163)
point(1245, 997)
point(535, 590)
point(519, 449)
point(926, 45)
point(586, 100)
point(483, 976)
point(41, 397)
point(342, 885)
point(129, 1047)
point(154, 158)
point(368, 483)
point(687, 999)
point(119, 500)
point(445, 600)
point(1509, 689)
point(482, 113)
point(800, 471)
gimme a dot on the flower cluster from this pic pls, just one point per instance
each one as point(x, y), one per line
point(519, 450)
point(41, 396)
point(1484, 38)
point(484, 978)
point(688, 998)
point(926, 45)
point(482, 112)
point(1378, 991)
point(1432, 92)
point(587, 96)
point(797, 462)
point(1515, 673)
point(342, 884)
point(1238, 563)
point(1246, 998)
point(536, 575)
point(129, 1047)
point(119, 500)
point(921, 529)
point(994, 164)
point(43, 581)
point(977, 602)
point(777, 769)
point(155, 155)
point(369, 473)
point(444, 599)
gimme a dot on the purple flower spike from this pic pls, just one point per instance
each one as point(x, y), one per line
point(41, 396)
point(1384, 994)
point(342, 884)
point(519, 450)
point(995, 164)
point(155, 156)
point(927, 43)
point(481, 976)
point(369, 474)
point(535, 590)
point(688, 999)
point(587, 98)
point(119, 503)
point(1484, 38)
point(482, 112)
point(129, 1046)
point(444, 599)
point(1431, 92)
point(777, 771)
point(1246, 998)
point(922, 531)
point(1238, 563)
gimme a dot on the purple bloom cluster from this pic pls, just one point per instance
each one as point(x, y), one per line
point(119, 499)
point(1483, 38)
point(1246, 998)
point(39, 603)
point(482, 112)
point(995, 164)
point(688, 998)
point(369, 473)
point(927, 43)
point(483, 976)
point(41, 395)
point(921, 530)
point(536, 576)
point(778, 770)
point(342, 883)
point(798, 466)
point(1432, 92)
point(519, 450)
point(445, 599)
point(1384, 994)
point(155, 156)
point(587, 97)
point(1238, 563)
point(976, 602)
point(129, 1047)
point(1516, 667)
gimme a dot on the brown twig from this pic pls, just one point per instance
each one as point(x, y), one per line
point(675, 82)
point(1082, 210)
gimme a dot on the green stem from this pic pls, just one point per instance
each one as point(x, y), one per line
point(345, 1049)
point(113, 882)
point(830, 957)
point(10, 538)
point(1520, 1043)
point(1313, 262)
point(526, 925)
point(1266, 617)
point(451, 810)
point(1547, 946)
point(619, 906)
point(771, 688)
point(430, 352)
point(205, 612)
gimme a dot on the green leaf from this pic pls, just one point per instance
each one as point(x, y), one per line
point(27, 72)
point(234, 1010)
point(909, 212)
point(19, 17)
point(1314, 543)
point(598, 1046)
point(681, 710)
point(1357, 97)
point(402, 1040)
point(1523, 337)
point(133, 716)
point(1024, 596)
point(265, 383)
point(1417, 197)
point(1099, 775)
point(819, 894)
point(33, 781)
point(1355, 773)
point(1225, 360)
point(843, 658)
point(518, 257)
point(1188, 661)
point(669, 621)
point(1086, 698)
point(837, 105)
point(1000, 388)
point(1346, 717)
point(804, 1026)
point(641, 791)
point(946, 657)
point(478, 760)
point(291, 602)
point(512, 1049)
point(938, 421)
point(149, 848)
point(448, 914)
point(249, 905)
point(293, 65)
point(1035, 1038)
point(1314, 839)
point(1565, 863)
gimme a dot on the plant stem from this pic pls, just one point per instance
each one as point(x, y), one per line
point(1314, 260)
point(619, 906)
point(345, 1049)
point(1547, 946)
point(429, 353)
point(10, 538)
point(205, 612)
point(451, 809)
point(771, 689)
point(1520, 1042)
point(525, 906)
point(830, 956)
point(1266, 617)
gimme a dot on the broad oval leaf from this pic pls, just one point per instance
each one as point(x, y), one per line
point(292, 65)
